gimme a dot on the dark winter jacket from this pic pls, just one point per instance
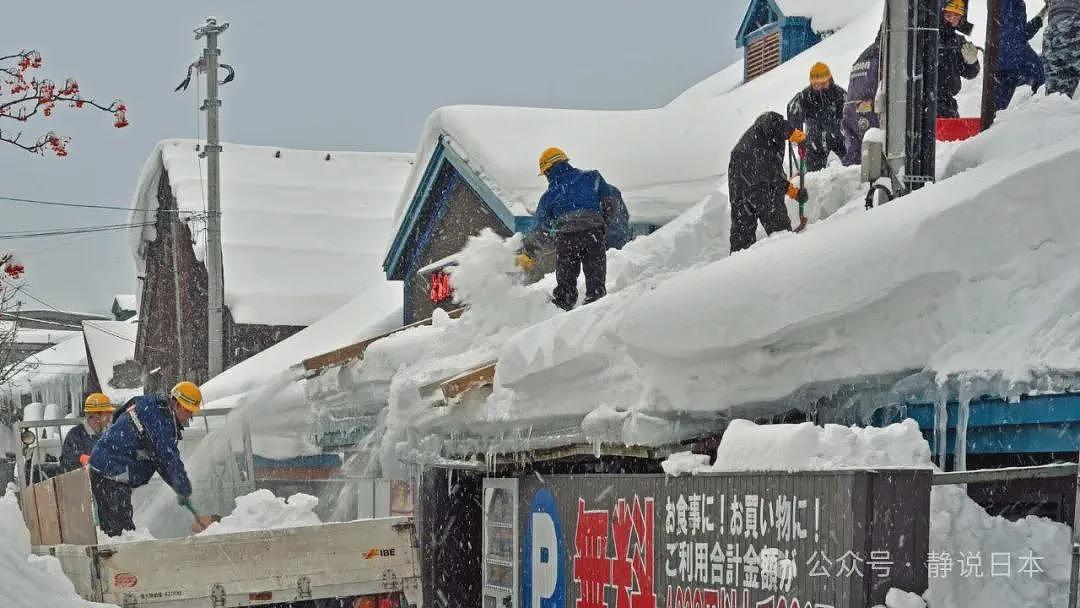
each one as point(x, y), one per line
point(1061, 9)
point(859, 111)
point(1014, 52)
point(951, 68)
point(123, 454)
point(820, 111)
point(572, 202)
point(757, 161)
point(80, 440)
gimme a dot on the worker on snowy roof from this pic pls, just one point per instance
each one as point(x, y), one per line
point(957, 58)
point(79, 442)
point(756, 180)
point(1018, 63)
point(143, 439)
point(583, 210)
point(818, 110)
point(1061, 47)
point(860, 104)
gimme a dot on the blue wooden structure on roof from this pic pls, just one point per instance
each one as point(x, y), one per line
point(1035, 425)
point(770, 37)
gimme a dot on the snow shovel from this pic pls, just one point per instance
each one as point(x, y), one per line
point(202, 520)
point(802, 181)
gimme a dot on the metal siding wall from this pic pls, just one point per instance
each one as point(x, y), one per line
point(857, 512)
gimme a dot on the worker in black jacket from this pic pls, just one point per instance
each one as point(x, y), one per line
point(97, 411)
point(756, 180)
point(957, 58)
point(819, 111)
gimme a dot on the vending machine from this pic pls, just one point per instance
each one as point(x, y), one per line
point(501, 543)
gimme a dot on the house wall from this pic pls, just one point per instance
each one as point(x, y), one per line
point(454, 213)
point(178, 351)
point(246, 340)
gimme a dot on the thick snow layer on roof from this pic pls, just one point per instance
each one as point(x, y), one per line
point(664, 160)
point(25, 579)
point(41, 336)
point(300, 234)
point(958, 525)
point(67, 358)
point(824, 15)
point(110, 343)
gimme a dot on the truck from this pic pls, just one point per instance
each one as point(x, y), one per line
point(368, 563)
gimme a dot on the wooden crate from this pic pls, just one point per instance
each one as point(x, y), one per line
point(76, 511)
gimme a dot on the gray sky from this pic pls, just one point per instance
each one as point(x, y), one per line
point(356, 75)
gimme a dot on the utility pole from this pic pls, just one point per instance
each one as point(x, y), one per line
point(990, 62)
point(215, 325)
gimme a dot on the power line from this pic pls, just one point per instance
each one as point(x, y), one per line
point(81, 205)
point(23, 290)
point(29, 234)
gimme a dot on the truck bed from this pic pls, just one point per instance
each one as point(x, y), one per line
point(365, 557)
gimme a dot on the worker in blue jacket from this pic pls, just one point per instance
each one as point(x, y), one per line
point(143, 439)
point(1018, 63)
point(79, 441)
point(583, 210)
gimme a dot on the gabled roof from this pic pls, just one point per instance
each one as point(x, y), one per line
point(109, 343)
point(303, 231)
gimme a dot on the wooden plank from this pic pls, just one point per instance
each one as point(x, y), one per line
point(456, 386)
point(47, 511)
point(75, 504)
point(356, 351)
point(29, 509)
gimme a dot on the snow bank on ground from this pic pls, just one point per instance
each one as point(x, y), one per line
point(896, 598)
point(302, 230)
point(261, 510)
point(958, 526)
point(127, 536)
point(26, 580)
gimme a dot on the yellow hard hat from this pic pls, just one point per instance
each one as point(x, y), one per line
point(550, 157)
point(956, 6)
point(187, 395)
point(97, 403)
point(820, 72)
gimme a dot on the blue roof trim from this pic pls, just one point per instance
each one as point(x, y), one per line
point(1036, 424)
point(492, 202)
point(412, 214)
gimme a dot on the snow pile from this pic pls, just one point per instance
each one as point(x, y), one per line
point(26, 580)
point(896, 598)
point(261, 510)
point(958, 526)
point(126, 536)
point(302, 230)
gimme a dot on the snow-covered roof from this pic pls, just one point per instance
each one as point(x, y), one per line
point(110, 343)
point(824, 15)
point(64, 358)
point(664, 160)
point(302, 230)
point(40, 336)
point(127, 302)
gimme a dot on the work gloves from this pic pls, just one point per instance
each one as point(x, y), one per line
point(969, 52)
point(797, 194)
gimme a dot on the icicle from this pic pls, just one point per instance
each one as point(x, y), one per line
point(963, 415)
point(941, 425)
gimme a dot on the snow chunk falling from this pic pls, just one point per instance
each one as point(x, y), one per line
point(25, 579)
point(261, 510)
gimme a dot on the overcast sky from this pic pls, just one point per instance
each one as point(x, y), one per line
point(356, 75)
